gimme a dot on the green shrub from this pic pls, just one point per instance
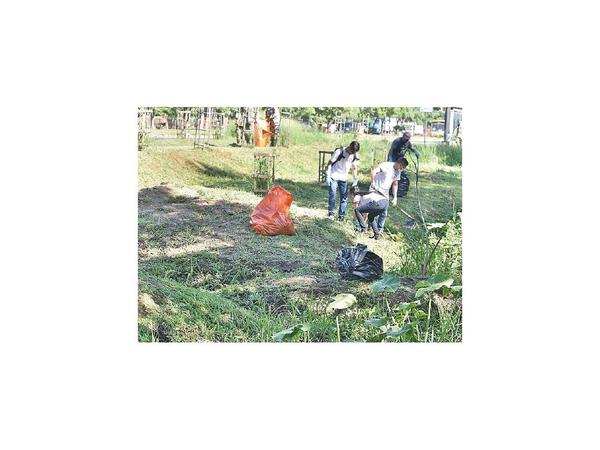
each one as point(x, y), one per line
point(449, 155)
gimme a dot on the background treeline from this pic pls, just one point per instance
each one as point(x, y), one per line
point(318, 114)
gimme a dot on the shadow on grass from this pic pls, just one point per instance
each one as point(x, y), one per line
point(217, 177)
point(191, 249)
point(172, 225)
point(176, 223)
point(306, 195)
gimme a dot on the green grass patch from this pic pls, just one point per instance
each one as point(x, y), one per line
point(212, 279)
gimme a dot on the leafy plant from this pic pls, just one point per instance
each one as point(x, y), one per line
point(290, 333)
point(377, 322)
point(340, 302)
point(389, 283)
point(391, 331)
point(433, 284)
point(406, 319)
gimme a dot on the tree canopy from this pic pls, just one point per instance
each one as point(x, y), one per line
point(326, 114)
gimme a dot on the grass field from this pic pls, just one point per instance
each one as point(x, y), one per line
point(204, 275)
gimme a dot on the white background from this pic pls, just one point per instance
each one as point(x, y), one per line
point(73, 374)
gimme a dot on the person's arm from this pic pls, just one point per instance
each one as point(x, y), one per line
point(354, 174)
point(414, 150)
point(394, 193)
point(375, 171)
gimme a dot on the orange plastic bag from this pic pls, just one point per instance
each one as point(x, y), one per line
point(262, 133)
point(270, 217)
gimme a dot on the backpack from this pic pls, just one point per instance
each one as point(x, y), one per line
point(341, 156)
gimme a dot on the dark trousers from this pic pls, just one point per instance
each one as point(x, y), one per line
point(374, 209)
point(381, 219)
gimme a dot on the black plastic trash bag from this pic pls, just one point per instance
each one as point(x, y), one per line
point(357, 263)
point(403, 184)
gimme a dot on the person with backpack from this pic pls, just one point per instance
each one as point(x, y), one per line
point(336, 176)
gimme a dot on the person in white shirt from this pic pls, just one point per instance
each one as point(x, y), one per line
point(384, 177)
point(336, 175)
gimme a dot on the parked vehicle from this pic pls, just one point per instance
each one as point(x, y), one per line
point(437, 127)
point(376, 127)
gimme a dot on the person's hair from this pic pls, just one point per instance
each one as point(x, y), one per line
point(354, 146)
point(402, 161)
point(355, 190)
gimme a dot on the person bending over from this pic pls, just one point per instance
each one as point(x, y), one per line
point(371, 204)
point(384, 177)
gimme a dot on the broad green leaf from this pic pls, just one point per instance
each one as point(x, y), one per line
point(341, 301)
point(389, 283)
point(305, 327)
point(288, 333)
point(397, 331)
point(377, 322)
point(420, 314)
point(433, 284)
point(456, 291)
point(432, 226)
point(403, 306)
point(437, 281)
point(377, 338)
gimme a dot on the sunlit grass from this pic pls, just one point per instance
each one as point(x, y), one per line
point(242, 287)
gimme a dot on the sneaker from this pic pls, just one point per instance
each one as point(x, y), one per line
point(331, 216)
point(341, 218)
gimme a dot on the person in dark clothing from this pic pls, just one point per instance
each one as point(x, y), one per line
point(400, 146)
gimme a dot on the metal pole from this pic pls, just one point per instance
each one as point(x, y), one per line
point(446, 124)
point(372, 157)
